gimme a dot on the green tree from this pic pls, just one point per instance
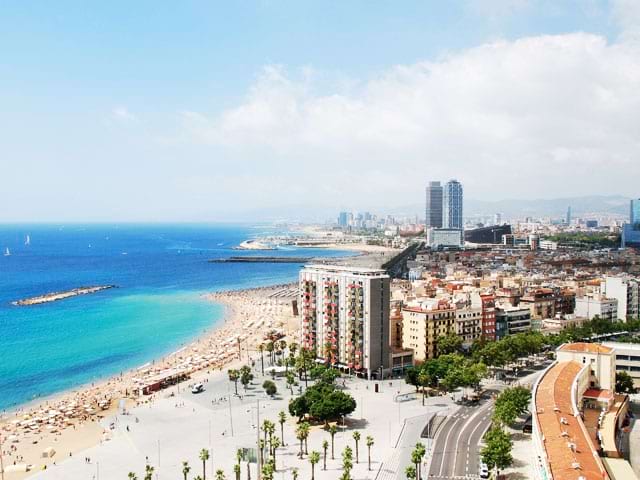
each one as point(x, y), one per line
point(294, 473)
point(300, 436)
point(220, 475)
point(313, 459)
point(410, 472)
point(185, 469)
point(370, 442)
point(411, 377)
point(325, 447)
point(347, 460)
point(132, 476)
point(270, 388)
point(510, 404)
point(291, 381)
point(204, 456)
point(234, 376)
point(624, 383)
point(424, 381)
point(148, 472)
point(305, 427)
point(236, 470)
point(497, 450)
point(274, 446)
point(245, 376)
point(416, 457)
point(446, 344)
point(356, 438)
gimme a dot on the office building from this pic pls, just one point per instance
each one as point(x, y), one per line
point(433, 210)
point(491, 234)
point(568, 219)
point(343, 219)
point(444, 238)
point(345, 317)
point(627, 359)
point(452, 200)
point(511, 320)
point(631, 230)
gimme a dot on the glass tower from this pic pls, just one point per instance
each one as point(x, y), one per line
point(433, 211)
point(453, 200)
point(634, 217)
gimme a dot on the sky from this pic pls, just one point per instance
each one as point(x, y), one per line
point(206, 111)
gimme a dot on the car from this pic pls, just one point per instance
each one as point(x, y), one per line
point(483, 471)
point(197, 388)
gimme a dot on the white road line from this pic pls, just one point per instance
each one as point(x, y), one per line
point(455, 456)
point(440, 429)
point(446, 441)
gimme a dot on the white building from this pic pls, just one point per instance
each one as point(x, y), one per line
point(548, 245)
point(592, 306)
point(627, 359)
point(600, 358)
point(444, 237)
point(626, 291)
point(345, 316)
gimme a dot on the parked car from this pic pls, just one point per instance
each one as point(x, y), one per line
point(197, 388)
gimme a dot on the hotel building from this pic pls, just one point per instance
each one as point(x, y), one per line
point(345, 317)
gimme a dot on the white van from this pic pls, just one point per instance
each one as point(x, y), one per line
point(197, 388)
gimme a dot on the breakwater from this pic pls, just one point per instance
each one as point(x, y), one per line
point(55, 296)
point(263, 259)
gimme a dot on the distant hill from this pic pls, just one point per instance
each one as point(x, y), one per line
point(604, 204)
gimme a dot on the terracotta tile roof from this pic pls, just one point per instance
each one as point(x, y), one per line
point(581, 347)
point(599, 394)
point(554, 410)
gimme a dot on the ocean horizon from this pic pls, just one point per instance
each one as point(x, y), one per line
point(161, 273)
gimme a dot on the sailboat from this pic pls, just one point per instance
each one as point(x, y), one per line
point(7, 252)
point(27, 241)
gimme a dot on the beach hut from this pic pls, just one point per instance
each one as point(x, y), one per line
point(48, 452)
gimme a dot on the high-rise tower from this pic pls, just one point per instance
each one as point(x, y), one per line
point(452, 205)
point(433, 209)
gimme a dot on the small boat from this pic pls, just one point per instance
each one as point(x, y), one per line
point(27, 241)
point(7, 253)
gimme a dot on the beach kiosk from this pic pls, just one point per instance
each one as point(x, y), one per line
point(48, 452)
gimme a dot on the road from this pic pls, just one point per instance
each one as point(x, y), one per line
point(456, 445)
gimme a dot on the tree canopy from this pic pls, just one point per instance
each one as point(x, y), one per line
point(323, 402)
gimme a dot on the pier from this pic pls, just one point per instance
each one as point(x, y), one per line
point(263, 259)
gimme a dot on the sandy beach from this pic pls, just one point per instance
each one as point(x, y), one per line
point(39, 434)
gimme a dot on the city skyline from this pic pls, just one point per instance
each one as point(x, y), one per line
point(203, 112)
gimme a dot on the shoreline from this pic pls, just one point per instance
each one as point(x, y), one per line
point(70, 420)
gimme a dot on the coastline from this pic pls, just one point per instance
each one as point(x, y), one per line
point(249, 314)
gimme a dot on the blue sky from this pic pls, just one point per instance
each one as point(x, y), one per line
point(162, 110)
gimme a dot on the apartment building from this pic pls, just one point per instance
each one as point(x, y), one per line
point(626, 290)
point(596, 305)
point(511, 320)
point(469, 324)
point(422, 324)
point(541, 302)
point(345, 317)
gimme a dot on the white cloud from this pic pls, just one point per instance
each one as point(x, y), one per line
point(540, 117)
point(123, 115)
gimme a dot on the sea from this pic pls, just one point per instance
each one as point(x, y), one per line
point(161, 273)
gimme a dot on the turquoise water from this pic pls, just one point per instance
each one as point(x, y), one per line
point(161, 273)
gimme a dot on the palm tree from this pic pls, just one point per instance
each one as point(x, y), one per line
point(410, 472)
point(236, 470)
point(416, 458)
point(261, 350)
point(270, 347)
point(276, 444)
point(204, 456)
point(325, 447)
point(421, 452)
point(347, 460)
point(294, 473)
point(261, 445)
point(132, 476)
point(234, 375)
point(332, 431)
point(313, 459)
point(306, 428)
point(185, 469)
point(369, 445)
point(220, 475)
point(356, 437)
point(198, 477)
point(148, 472)
point(300, 436)
point(282, 417)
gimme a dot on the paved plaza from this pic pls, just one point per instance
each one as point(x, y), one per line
point(177, 424)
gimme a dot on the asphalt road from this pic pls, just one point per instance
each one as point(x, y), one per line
point(455, 453)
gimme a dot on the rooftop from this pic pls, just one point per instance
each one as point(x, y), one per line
point(582, 347)
point(348, 269)
point(570, 451)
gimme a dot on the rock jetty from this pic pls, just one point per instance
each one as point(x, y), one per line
point(55, 296)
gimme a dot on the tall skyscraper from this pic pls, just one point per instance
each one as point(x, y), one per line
point(569, 215)
point(634, 216)
point(343, 219)
point(452, 205)
point(345, 316)
point(433, 211)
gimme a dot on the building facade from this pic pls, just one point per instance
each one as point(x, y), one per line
point(511, 320)
point(444, 237)
point(591, 306)
point(452, 205)
point(423, 323)
point(626, 291)
point(433, 207)
point(345, 317)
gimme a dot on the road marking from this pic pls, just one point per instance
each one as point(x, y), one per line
point(467, 423)
point(435, 441)
point(446, 441)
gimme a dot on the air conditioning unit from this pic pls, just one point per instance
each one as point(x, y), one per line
point(564, 421)
point(556, 408)
point(572, 446)
point(576, 466)
point(564, 434)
